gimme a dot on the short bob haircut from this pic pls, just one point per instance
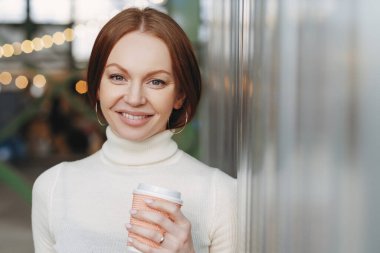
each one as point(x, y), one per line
point(185, 68)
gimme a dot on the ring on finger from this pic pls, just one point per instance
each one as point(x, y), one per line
point(162, 239)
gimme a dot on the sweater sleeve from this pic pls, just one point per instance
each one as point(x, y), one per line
point(224, 232)
point(42, 197)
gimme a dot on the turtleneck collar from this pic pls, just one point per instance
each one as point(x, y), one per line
point(157, 148)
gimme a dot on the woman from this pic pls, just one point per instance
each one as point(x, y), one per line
point(144, 81)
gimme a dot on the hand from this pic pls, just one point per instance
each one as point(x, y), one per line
point(177, 238)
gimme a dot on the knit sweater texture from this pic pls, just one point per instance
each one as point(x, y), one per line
point(83, 206)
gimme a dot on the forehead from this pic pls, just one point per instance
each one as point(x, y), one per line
point(141, 51)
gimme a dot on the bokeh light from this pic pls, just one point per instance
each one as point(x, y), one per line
point(39, 81)
point(21, 82)
point(69, 34)
point(81, 87)
point(27, 46)
point(36, 92)
point(38, 44)
point(8, 50)
point(58, 38)
point(47, 40)
point(17, 48)
point(5, 78)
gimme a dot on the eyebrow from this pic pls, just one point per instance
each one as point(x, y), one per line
point(148, 74)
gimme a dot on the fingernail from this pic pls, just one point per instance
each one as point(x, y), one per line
point(133, 211)
point(130, 239)
point(128, 226)
point(148, 201)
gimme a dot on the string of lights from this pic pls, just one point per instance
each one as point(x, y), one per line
point(36, 44)
point(27, 47)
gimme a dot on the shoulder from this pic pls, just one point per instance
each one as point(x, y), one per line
point(191, 164)
point(47, 179)
point(214, 177)
point(225, 187)
point(224, 181)
point(44, 186)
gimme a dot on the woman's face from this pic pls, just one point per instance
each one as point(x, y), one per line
point(137, 92)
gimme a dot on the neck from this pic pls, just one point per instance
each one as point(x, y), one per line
point(157, 148)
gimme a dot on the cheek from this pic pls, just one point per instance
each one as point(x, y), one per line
point(107, 94)
point(163, 103)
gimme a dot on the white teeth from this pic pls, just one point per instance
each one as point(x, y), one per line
point(133, 117)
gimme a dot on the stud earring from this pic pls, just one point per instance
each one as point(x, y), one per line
point(96, 113)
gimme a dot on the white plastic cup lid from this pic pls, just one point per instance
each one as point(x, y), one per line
point(159, 192)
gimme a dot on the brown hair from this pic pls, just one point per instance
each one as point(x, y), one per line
point(184, 64)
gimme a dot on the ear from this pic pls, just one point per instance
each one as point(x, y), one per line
point(179, 101)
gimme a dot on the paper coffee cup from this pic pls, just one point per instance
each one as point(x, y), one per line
point(140, 194)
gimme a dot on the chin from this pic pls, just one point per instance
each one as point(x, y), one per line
point(135, 134)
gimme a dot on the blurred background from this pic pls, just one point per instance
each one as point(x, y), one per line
point(290, 107)
point(45, 117)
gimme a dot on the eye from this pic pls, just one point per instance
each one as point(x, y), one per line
point(117, 78)
point(157, 83)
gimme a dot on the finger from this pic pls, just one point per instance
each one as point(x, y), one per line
point(174, 233)
point(172, 209)
point(175, 214)
point(142, 246)
point(150, 234)
point(166, 241)
point(153, 217)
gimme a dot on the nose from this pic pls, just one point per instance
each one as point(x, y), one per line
point(135, 94)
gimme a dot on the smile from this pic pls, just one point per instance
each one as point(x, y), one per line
point(134, 117)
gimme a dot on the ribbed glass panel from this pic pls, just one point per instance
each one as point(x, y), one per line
point(293, 109)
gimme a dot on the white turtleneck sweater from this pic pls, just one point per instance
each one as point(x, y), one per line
point(83, 206)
